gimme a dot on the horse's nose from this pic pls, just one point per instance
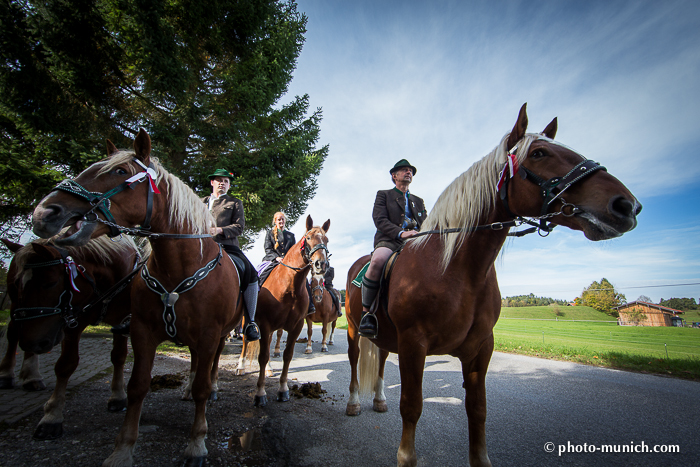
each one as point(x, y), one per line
point(44, 217)
point(625, 211)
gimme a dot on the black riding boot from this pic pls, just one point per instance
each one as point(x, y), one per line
point(312, 308)
point(368, 323)
point(122, 328)
point(250, 298)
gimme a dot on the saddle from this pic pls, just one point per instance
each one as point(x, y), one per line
point(383, 282)
point(246, 271)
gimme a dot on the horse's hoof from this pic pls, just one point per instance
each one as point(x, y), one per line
point(116, 405)
point(330, 343)
point(186, 396)
point(324, 349)
point(195, 462)
point(308, 350)
point(240, 371)
point(260, 401)
point(32, 386)
point(213, 396)
point(379, 406)
point(352, 410)
point(48, 431)
point(276, 355)
point(7, 383)
point(283, 396)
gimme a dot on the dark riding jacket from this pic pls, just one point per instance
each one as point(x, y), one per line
point(229, 215)
point(286, 241)
point(388, 215)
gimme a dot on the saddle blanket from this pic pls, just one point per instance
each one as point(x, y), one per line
point(357, 281)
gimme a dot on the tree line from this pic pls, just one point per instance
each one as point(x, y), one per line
point(205, 79)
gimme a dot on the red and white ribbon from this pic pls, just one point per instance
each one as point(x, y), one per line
point(148, 172)
point(511, 165)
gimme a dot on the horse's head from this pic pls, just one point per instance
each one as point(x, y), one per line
point(48, 290)
point(315, 250)
point(317, 288)
point(553, 178)
point(99, 190)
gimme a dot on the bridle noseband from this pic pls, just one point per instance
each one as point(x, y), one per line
point(550, 190)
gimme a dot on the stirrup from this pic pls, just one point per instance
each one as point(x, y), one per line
point(368, 325)
point(121, 329)
point(251, 332)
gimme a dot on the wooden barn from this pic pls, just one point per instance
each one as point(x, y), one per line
point(647, 314)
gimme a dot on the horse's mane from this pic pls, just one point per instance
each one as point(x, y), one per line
point(101, 249)
point(185, 207)
point(470, 197)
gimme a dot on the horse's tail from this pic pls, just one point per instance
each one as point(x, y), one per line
point(252, 350)
point(369, 367)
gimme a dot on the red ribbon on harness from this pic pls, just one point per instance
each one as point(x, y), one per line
point(512, 166)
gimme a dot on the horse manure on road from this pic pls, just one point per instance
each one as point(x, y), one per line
point(166, 382)
point(310, 390)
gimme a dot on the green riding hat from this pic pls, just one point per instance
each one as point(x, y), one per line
point(221, 173)
point(401, 164)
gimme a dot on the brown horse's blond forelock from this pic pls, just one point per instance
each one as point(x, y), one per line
point(470, 197)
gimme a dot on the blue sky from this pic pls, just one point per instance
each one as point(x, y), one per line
point(439, 83)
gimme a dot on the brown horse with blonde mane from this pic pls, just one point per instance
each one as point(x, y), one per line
point(188, 291)
point(283, 303)
point(53, 303)
point(443, 295)
point(326, 314)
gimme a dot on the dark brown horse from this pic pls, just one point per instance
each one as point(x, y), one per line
point(283, 303)
point(443, 295)
point(48, 304)
point(188, 292)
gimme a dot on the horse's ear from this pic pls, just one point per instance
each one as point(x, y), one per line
point(41, 250)
point(309, 223)
point(111, 148)
point(142, 146)
point(12, 246)
point(551, 130)
point(519, 128)
point(326, 225)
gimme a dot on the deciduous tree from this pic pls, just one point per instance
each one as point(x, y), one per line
point(602, 296)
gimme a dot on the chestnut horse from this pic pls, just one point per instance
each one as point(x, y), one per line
point(326, 314)
point(443, 295)
point(188, 291)
point(48, 303)
point(283, 303)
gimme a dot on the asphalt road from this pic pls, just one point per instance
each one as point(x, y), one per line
point(533, 405)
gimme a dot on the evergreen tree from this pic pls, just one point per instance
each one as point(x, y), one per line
point(204, 78)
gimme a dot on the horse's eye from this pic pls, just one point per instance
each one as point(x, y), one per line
point(537, 154)
point(120, 171)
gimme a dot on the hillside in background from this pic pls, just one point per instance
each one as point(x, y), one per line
point(555, 312)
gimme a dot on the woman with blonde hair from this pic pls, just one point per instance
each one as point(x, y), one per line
point(278, 241)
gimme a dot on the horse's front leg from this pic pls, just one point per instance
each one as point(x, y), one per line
point(196, 451)
point(51, 424)
point(310, 331)
point(242, 359)
point(117, 400)
point(29, 373)
point(7, 366)
point(215, 370)
point(187, 392)
point(411, 365)
point(324, 332)
point(263, 359)
point(379, 402)
point(277, 352)
point(283, 391)
point(330, 340)
point(139, 383)
point(474, 373)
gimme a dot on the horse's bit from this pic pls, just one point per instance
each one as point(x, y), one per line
point(65, 301)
